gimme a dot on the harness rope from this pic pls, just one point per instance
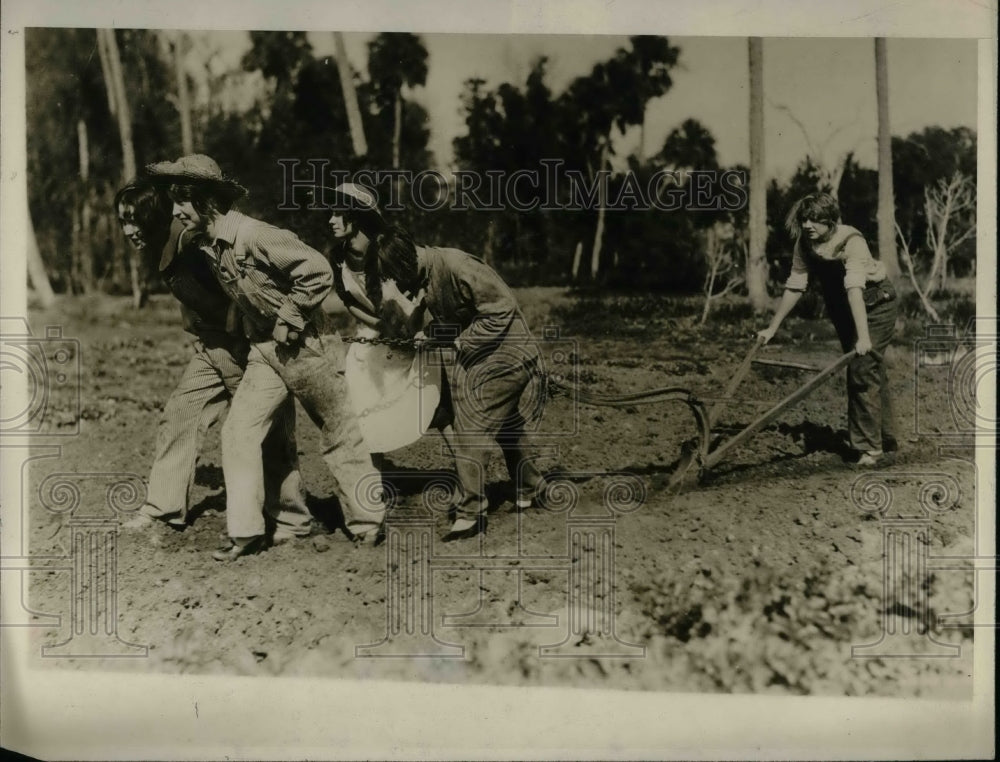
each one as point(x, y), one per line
point(555, 384)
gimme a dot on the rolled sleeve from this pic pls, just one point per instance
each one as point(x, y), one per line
point(310, 278)
point(289, 314)
point(798, 278)
point(858, 263)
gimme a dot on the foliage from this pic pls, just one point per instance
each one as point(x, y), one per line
point(921, 162)
point(65, 88)
point(918, 162)
point(518, 127)
point(766, 630)
point(295, 109)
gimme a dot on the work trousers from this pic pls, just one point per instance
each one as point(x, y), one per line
point(200, 399)
point(870, 420)
point(486, 399)
point(313, 372)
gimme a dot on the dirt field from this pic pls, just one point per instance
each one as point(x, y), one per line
point(761, 579)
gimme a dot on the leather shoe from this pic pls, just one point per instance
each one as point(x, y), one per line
point(536, 497)
point(464, 528)
point(370, 538)
point(240, 548)
point(869, 459)
point(142, 522)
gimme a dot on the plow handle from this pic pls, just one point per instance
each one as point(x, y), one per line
point(735, 381)
point(713, 458)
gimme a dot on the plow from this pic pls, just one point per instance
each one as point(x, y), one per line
point(709, 448)
point(380, 419)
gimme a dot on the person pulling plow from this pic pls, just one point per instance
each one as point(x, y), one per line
point(860, 302)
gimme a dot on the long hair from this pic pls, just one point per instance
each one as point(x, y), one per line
point(150, 209)
point(208, 201)
point(396, 254)
point(818, 207)
point(371, 224)
point(373, 285)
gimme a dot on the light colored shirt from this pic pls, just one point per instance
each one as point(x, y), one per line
point(846, 245)
point(269, 272)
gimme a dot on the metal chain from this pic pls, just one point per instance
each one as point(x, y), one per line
point(389, 342)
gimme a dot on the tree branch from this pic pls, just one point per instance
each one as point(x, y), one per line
point(908, 261)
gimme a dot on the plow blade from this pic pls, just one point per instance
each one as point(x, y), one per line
point(698, 458)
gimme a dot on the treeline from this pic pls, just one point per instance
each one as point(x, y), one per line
point(287, 103)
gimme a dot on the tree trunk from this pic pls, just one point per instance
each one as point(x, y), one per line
point(577, 256)
point(354, 123)
point(491, 237)
point(183, 95)
point(102, 52)
point(886, 204)
point(904, 253)
point(938, 231)
point(712, 254)
point(397, 131)
point(37, 276)
point(836, 175)
point(114, 79)
point(756, 277)
point(76, 245)
point(595, 256)
point(83, 252)
point(642, 137)
point(397, 127)
point(516, 249)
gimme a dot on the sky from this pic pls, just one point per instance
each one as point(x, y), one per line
point(826, 84)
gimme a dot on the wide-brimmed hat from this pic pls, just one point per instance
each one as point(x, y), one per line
point(354, 198)
point(360, 202)
point(196, 169)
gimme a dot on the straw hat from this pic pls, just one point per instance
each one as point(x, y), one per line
point(196, 169)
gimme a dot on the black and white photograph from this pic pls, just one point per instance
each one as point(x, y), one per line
point(498, 380)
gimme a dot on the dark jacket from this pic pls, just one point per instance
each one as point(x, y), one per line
point(467, 298)
point(188, 274)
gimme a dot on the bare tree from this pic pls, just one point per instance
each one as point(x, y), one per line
point(724, 254)
point(831, 171)
point(886, 204)
point(756, 272)
point(904, 254)
point(950, 207)
point(346, 74)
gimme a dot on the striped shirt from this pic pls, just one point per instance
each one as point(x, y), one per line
point(846, 245)
point(268, 272)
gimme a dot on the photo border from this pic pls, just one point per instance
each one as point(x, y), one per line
point(105, 715)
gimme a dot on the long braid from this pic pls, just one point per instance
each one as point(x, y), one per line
point(373, 279)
